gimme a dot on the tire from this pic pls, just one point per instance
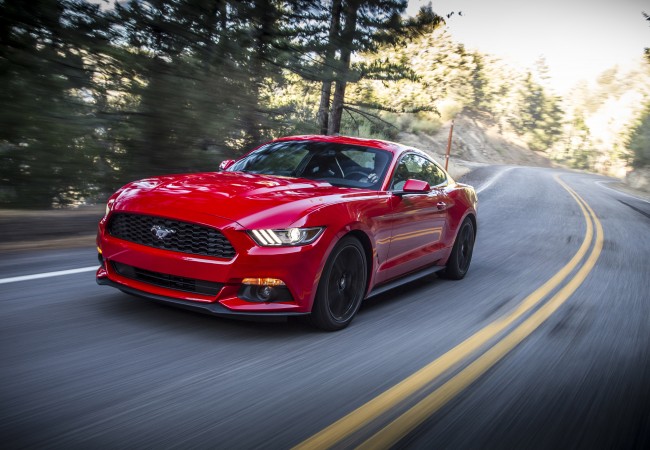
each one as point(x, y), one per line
point(342, 286)
point(461, 253)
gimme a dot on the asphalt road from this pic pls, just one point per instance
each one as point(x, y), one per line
point(84, 366)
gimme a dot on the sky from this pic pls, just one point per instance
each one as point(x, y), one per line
point(578, 38)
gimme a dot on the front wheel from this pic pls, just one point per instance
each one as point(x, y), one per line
point(461, 253)
point(342, 286)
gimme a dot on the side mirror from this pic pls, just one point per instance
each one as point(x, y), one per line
point(226, 164)
point(414, 187)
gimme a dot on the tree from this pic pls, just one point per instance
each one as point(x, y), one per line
point(347, 34)
point(577, 151)
point(482, 96)
point(263, 39)
point(647, 49)
point(639, 141)
point(357, 26)
point(188, 77)
point(538, 117)
point(46, 148)
point(328, 66)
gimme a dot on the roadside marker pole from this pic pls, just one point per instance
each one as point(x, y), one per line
point(451, 130)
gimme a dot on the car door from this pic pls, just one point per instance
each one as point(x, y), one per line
point(417, 220)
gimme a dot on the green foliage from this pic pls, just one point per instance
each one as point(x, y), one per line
point(451, 80)
point(576, 150)
point(94, 98)
point(47, 149)
point(363, 123)
point(647, 50)
point(482, 97)
point(202, 67)
point(639, 141)
point(610, 108)
point(538, 116)
point(363, 26)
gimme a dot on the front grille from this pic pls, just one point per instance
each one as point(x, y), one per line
point(170, 234)
point(168, 281)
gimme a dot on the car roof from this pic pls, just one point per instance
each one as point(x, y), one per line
point(392, 147)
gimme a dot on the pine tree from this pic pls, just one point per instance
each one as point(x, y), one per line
point(538, 117)
point(328, 66)
point(647, 49)
point(46, 149)
point(357, 26)
point(639, 141)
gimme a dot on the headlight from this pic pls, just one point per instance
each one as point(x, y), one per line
point(286, 237)
point(109, 206)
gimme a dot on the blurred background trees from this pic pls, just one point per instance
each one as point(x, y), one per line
point(638, 141)
point(96, 94)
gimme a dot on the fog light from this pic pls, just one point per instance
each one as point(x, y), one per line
point(263, 290)
point(265, 293)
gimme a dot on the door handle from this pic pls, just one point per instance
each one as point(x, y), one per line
point(441, 205)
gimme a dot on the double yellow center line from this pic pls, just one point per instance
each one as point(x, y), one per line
point(344, 429)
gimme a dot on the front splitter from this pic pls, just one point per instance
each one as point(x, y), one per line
point(215, 309)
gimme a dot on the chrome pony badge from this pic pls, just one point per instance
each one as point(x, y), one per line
point(161, 232)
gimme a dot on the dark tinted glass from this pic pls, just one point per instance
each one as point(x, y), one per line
point(338, 164)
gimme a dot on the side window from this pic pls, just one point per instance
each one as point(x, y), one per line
point(401, 174)
point(437, 175)
point(419, 168)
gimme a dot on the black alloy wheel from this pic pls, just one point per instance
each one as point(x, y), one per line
point(461, 253)
point(342, 286)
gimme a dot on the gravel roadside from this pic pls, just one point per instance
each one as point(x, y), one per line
point(63, 228)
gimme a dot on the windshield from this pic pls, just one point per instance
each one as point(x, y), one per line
point(338, 164)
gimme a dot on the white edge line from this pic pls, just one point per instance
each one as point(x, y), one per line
point(493, 179)
point(47, 275)
point(602, 185)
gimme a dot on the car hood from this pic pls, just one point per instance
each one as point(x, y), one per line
point(248, 199)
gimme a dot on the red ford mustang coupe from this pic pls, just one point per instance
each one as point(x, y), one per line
point(301, 225)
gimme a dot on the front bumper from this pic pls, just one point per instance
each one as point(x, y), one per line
point(216, 309)
point(298, 267)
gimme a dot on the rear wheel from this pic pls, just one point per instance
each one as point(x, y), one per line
point(342, 286)
point(461, 253)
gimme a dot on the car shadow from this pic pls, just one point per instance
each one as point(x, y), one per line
point(144, 312)
point(406, 290)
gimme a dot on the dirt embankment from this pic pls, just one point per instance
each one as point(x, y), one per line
point(474, 143)
point(24, 230)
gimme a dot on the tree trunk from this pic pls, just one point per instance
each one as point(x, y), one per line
point(350, 14)
point(334, 125)
point(326, 90)
point(253, 118)
point(324, 107)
